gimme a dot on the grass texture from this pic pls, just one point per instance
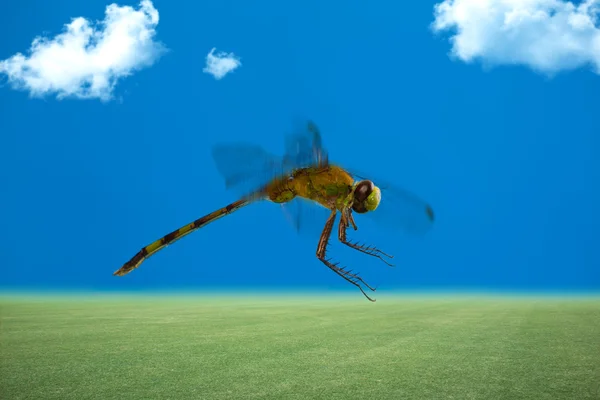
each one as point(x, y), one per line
point(302, 347)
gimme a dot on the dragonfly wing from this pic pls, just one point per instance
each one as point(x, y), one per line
point(307, 217)
point(400, 209)
point(304, 146)
point(247, 167)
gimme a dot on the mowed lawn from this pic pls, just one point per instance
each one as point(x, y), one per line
point(220, 347)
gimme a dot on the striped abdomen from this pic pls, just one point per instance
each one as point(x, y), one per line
point(170, 238)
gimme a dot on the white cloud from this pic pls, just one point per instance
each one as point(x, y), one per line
point(220, 64)
point(545, 35)
point(87, 60)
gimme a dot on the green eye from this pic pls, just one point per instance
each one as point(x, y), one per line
point(373, 199)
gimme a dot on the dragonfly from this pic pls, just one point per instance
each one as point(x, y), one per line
point(305, 175)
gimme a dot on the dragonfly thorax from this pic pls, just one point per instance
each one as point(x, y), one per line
point(329, 186)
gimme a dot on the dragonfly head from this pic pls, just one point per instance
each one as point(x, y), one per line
point(366, 197)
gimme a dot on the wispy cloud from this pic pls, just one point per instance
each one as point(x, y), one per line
point(87, 59)
point(220, 64)
point(546, 35)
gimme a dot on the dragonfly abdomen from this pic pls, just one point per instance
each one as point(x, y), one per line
point(177, 234)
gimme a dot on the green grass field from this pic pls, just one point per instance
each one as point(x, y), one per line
point(185, 347)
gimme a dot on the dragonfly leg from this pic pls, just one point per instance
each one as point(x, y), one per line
point(351, 218)
point(370, 250)
point(341, 271)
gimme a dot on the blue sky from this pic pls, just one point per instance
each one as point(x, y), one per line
point(483, 113)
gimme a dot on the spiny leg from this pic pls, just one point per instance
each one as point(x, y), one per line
point(321, 253)
point(351, 218)
point(370, 250)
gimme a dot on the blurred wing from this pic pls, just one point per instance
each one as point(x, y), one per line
point(307, 217)
point(400, 209)
point(246, 167)
point(304, 147)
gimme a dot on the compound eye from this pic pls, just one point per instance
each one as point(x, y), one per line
point(359, 207)
point(362, 191)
